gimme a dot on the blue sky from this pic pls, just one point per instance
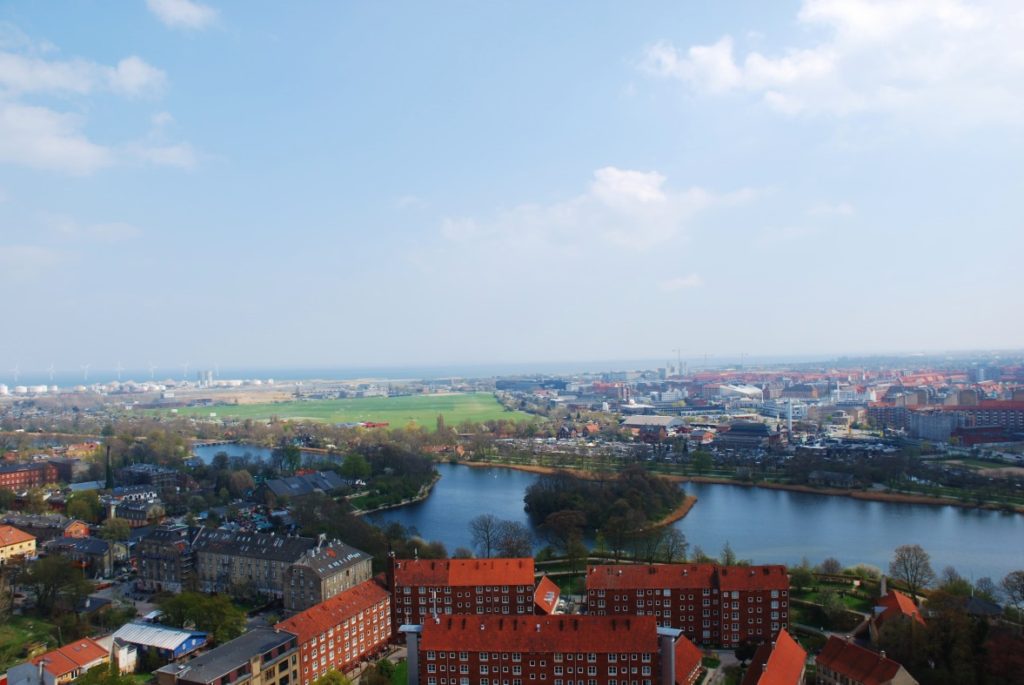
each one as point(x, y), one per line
point(279, 184)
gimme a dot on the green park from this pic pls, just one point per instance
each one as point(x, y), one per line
point(398, 412)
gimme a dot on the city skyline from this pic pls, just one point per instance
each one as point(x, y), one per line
point(358, 186)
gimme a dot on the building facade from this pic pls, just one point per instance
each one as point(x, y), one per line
point(842, 662)
point(262, 656)
point(341, 631)
point(20, 477)
point(424, 588)
point(48, 526)
point(713, 605)
point(549, 650)
point(15, 544)
point(164, 559)
point(323, 572)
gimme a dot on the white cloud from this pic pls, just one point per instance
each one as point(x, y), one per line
point(681, 283)
point(20, 73)
point(66, 228)
point(831, 209)
point(621, 207)
point(180, 155)
point(934, 59)
point(183, 14)
point(26, 262)
point(41, 138)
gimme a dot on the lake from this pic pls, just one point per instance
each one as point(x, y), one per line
point(765, 526)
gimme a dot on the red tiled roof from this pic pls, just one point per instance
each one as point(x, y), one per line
point(546, 595)
point(9, 535)
point(898, 604)
point(649, 577)
point(334, 611)
point(856, 663)
point(464, 572)
point(541, 634)
point(72, 657)
point(686, 576)
point(688, 659)
point(753, 578)
point(779, 663)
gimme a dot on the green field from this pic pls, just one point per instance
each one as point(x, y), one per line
point(396, 411)
point(17, 632)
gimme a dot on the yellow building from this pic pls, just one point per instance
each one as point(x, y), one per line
point(15, 543)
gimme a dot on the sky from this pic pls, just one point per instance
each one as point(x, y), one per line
point(361, 183)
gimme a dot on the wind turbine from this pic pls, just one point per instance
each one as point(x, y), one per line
point(152, 371)
point(52, 369)
point(184, 370)
point(85, 371)
point(119, 369)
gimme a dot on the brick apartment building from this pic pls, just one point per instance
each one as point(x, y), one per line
point(422, 588)
point(47, 526)
point(164, 558)
point(22, 476)
point(549, 650)
point(713, 605)
point(341, 631)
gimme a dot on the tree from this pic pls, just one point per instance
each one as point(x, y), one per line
point(674, 545)
point(912, 565)
point(85, 506)
point(1013, 588)
point(831, 566)
point(702, 461)
point(462, 553)
point(514, 539)
point(104, 674)
point(333, 677)
point(241, 483)
point(801, 576)
point(483, 531)
point(831, 604)
point(115, 530)
point(564, 527)
point(987, 589)
point(355, 467)
point(214, 614)
point(728, 557)
point(955, 584)
point(57, 584)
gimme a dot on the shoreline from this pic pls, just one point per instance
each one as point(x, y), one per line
point(675, 515)
point(420, 496)
point(889, 497)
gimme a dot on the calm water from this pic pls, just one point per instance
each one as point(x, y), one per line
point(208, 452)
point(766, 526)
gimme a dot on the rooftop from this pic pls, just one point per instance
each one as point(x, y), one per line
point(777, 663)
point(229, 656)
point(464, 572)
point(334, 611)
point(856, 662)
point(9, 535)
point(259, 545)
point(155, 635)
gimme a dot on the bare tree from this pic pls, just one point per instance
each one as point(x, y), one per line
point(514, 539)
point(674, 545)
point(483, 531)
point(1013, 588)
point(912, 565)
point(831, 566)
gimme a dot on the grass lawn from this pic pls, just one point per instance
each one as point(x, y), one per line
point(17, 632)
point(401, 674)
point(852, 602)
point(396, 411)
